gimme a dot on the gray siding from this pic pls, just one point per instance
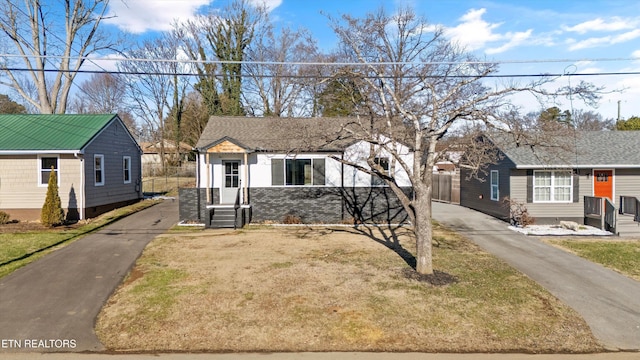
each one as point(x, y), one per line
point(627, 183)
point(550, 213)
point(114, 143)
point(476, 193)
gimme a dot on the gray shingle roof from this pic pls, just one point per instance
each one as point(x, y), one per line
point(276, 134)
point(586, 149)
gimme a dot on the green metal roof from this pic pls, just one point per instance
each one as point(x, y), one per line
point(20, 132)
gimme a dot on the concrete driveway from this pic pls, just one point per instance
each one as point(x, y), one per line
point(608, 301)
point(52, 304)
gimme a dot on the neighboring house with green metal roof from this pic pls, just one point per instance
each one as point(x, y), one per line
point(553, 183)
point(97, 161)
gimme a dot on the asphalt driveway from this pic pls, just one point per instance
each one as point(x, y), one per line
point(608, 301)
point(52, 304)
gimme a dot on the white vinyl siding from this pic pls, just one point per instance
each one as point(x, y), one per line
point(98, 169)
point(495, 193)
point(552, 186)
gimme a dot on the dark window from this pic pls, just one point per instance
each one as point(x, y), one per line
point(46, 163)
point(298, 172)
point(98, 166)
point(384, 164)
point(126, 168)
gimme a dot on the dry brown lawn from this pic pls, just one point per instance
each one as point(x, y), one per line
point(302, 289)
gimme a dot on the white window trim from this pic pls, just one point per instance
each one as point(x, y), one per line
point(96, 156)
point(496, 185)
point(40, 184)
point(552, 186)
point(127, 169)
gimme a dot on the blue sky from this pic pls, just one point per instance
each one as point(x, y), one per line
point(584, 32)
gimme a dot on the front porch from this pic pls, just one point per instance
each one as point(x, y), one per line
point(602, 213)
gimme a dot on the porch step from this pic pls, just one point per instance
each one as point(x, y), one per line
point(223, 217)
point(626, 227)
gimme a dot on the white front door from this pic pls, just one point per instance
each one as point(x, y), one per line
point(230, 181)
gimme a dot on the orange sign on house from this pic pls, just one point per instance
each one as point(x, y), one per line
point(226, 147)
point(603, 183)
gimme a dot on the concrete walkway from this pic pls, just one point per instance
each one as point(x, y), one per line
point(54, 301)
point(608, 301)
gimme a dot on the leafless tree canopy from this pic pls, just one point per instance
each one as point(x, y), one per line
point(419, 89)
point(36, 29)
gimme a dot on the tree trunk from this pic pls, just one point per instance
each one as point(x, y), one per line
point(423, 227)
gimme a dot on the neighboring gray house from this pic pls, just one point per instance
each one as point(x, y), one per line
point(554, 186)
point(96, 159)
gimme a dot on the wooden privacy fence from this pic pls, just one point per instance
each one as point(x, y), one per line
point(446, 187)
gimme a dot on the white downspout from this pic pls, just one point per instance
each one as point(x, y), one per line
point(81, 192)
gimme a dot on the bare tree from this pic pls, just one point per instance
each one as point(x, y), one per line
point(51, 47)
point(157, 86)
point(417, 88)
point(590, 120)
point(102, 93)
point(274, 88)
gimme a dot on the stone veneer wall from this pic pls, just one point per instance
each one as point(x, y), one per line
point(310, 204)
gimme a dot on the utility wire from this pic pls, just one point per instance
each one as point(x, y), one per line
point(163, 73)
point(321, 63)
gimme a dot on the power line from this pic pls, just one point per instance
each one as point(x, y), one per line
point(166, 73)
point(324, 63)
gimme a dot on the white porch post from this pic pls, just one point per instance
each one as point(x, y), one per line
point(245, 185)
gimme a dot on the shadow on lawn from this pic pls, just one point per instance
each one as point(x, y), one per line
point(388, 235)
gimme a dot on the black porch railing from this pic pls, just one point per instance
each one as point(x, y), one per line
point(630, 205)
point(600, 212)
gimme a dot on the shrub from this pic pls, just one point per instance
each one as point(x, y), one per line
point(4, 218)
point(291, 219)
point(519, 215)
point(52, 213)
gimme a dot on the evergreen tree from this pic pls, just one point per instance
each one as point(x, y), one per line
point(52, 213)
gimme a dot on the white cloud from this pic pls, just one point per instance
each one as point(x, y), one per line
point(614, 24)
point(474, 33)
point(140, 16)
point(604, 40)
point(269, 4)
point(515, 39)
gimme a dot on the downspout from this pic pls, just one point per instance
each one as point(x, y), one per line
point(81, 204)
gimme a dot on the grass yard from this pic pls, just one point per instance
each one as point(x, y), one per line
point(21, 244)
point(302, 289)
point(622, 256)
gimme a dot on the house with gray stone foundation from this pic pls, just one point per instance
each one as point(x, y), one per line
point(290, 170)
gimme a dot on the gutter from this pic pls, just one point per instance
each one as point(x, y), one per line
point(573, 166)
point(38, 152)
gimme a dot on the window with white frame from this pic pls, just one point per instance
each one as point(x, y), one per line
point(495, 192)
point(98, 168)
point(552, 186)
point(45, 166)
point(384, 164)
point(126, 169)
point(298, 172)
